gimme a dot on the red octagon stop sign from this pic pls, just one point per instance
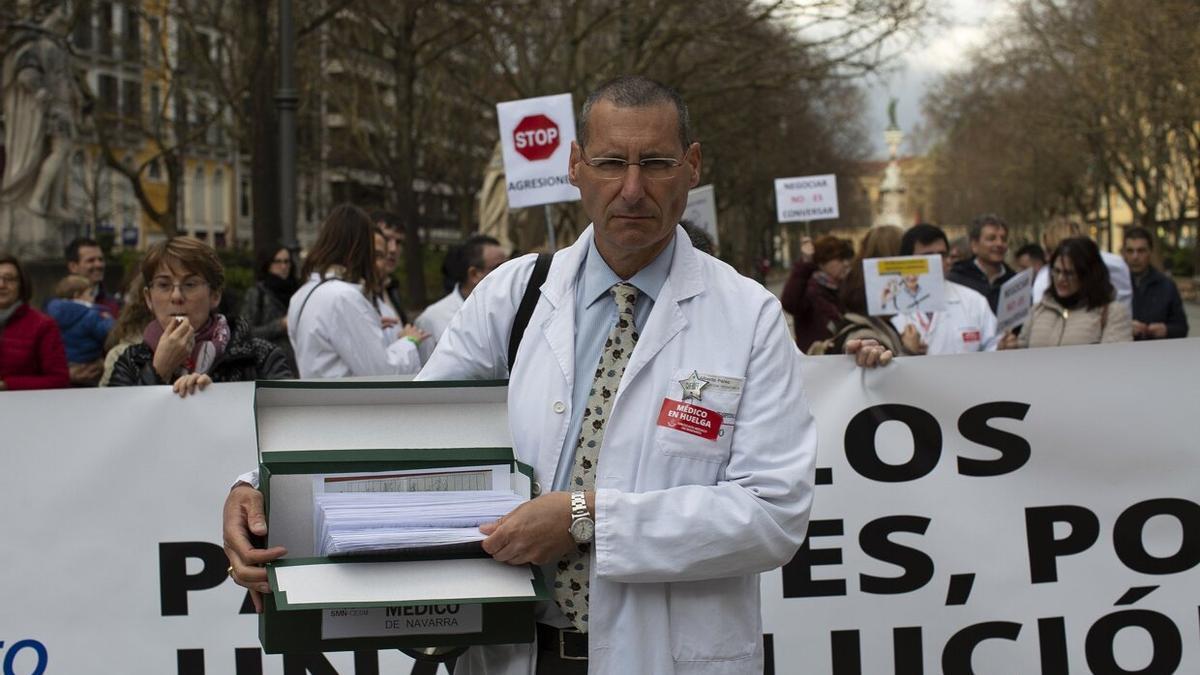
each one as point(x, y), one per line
point(536, 137)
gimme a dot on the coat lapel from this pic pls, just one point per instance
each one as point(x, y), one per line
point(559, 289)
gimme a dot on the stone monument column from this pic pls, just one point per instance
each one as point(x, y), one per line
point(893, 188)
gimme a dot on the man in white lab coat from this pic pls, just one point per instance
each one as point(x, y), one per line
point(704, 477)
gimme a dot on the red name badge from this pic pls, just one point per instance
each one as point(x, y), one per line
point(971, 336)
point(690, 419)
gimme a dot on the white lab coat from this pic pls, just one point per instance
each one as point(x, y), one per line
point(683, 524)
point(436, 318)
point(965, 325)
point(340, 333)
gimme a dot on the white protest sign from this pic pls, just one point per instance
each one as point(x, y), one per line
point(967, 522)
point(701, 211)
point(904, 284)
point(535, 139)
point(806, 198)
point(1016, 301)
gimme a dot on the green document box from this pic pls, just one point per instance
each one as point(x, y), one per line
point(311, 433)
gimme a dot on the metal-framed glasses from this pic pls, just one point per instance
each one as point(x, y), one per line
point(189, 288)
point(10, 279)
point(1061, 273)
point(653, 168)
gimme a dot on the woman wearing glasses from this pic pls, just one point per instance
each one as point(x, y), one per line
point(1079, 307)
point(189, 344)
point(265, 304)
point(31, 348)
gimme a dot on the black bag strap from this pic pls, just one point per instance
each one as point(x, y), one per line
point(528, 302)
point(307, 298)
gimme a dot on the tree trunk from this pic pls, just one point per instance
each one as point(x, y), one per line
point(264, 136)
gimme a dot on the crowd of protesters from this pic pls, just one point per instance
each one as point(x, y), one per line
point(1081, 295)
point(343, 315)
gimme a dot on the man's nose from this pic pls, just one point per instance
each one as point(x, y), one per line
point(631, 184)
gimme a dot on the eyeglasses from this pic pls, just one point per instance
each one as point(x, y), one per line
point(189, 288)
point(1063, 274)
point(653, 168)
point(281, 261)
point(10, 279)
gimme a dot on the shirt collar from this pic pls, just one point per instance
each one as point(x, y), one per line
point(598, 277)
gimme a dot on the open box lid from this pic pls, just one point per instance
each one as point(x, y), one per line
point(320, 583)
point(297, 417)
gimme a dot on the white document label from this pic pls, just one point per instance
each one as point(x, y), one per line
point(410, 620)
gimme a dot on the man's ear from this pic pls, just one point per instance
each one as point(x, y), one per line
point(573, 163)
point(693, 159)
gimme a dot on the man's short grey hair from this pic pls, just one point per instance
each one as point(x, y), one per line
point(636, 91)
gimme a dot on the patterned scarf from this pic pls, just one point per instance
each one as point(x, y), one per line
point(211, 340)
point(825, 280)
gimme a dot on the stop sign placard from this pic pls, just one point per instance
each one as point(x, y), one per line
point(536, 137)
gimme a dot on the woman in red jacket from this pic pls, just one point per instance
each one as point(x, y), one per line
point(811, 292)
point(31, 349)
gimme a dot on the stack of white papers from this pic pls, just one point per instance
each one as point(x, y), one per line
point(372, 522)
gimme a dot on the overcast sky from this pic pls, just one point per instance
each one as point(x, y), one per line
point(944, 48)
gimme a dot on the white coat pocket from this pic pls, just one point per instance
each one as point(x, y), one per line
point(697, 417)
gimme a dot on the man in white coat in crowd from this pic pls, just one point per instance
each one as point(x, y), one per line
point(476, 258)
point(967, 323)
point(657, 393)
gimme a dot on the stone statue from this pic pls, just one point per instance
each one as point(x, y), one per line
point(892, 114)
point(41, 121)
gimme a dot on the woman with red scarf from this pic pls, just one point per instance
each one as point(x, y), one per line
point(189, 345)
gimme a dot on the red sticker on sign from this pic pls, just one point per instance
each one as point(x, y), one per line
point(971, 336)
point(690, 419)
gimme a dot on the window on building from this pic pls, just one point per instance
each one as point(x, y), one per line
point(131, 35)
point(217, 194)
point(131, 106)
point(244, 198)
point(81, 36)
point(198, 197)
point(108, 94)
point(104, 26)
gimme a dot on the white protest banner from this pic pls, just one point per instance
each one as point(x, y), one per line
point(535, 139)
point(701, 211)
point(1016, 301)
point(1011, 512)
point(112, 558)
point(904, 284)
point(963, 516)
point(806, 198)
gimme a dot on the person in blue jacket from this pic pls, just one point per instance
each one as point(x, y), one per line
point(83, 323)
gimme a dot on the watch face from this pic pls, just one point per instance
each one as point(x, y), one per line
point(583, 529)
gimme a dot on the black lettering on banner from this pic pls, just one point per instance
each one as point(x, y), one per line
point(247, 605)
point(768, 654)
point(960, 589)
point(307, 664)
point(1130, 547)
point(918, 567)
point(1164, 636)
point(1044, 549)
point(246, 660)
point(173, 580)
point(1052, 643)
point(797, 574)
point(1014, 450)
point(846, 652)
point(907, 650)
point(956, 657)
point(863, 456)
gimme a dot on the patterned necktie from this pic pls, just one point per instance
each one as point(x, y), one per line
point(571, 581)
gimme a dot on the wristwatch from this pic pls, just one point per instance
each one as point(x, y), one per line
point(583, 528)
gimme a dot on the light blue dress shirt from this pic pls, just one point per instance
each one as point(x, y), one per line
point(595, 315)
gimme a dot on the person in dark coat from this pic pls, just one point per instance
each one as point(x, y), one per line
point(31, 348)
point(265, 305)
point(189, 345)
point(986, 270)
point(811, 292)
point(1157, 307)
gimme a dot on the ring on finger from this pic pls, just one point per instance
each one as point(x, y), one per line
point(229, 571)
